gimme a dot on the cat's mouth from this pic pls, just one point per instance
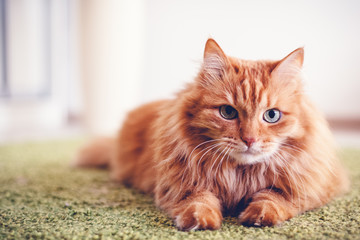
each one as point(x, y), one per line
point(246, 150)
point(243, 154)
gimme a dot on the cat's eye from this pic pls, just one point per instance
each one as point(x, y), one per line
point(228, 112)
point(272, 115)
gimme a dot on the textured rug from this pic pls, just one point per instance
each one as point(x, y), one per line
point(42, 197)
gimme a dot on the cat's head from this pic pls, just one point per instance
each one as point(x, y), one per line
point(247, 109)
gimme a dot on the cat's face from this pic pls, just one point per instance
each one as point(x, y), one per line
point(249, 108)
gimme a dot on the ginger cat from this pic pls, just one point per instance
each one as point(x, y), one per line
point(241, 140)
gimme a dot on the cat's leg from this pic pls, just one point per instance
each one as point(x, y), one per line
point(198, 211)
point(268, 208)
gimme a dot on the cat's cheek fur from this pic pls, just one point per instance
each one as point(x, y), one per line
point(287, 128)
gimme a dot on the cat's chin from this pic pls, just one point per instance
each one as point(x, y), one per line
point(245, 158)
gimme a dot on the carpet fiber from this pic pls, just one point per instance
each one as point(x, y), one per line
point(42, 197)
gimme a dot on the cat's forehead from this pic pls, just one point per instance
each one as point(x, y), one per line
point(251, 84)
point(260, 70)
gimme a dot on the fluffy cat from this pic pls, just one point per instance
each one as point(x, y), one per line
point(242, 139)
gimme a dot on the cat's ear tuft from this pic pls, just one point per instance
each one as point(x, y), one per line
point(212, 48)
point(290, 66)
point(295, 58)
point(215, 61)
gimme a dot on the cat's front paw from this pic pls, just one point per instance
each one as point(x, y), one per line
point(261, 213)
point(198, 216)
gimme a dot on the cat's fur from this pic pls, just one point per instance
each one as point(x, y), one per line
point(200, 166)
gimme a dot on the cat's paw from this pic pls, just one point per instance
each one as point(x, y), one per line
point(198, 216)
point(261, 213)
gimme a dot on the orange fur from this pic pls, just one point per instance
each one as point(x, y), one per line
point(200, 165)
point(96, 154)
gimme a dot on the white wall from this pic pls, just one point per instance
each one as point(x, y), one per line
point(111, 49)
point(37, 69)
point(329, 30)
point(122, 53)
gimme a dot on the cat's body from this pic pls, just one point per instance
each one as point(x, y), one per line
point(241, 139)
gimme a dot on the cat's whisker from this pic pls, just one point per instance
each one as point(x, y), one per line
point(305, 190)
point(267, 162)
point(284, 170)
point(217, 157)
point(328, 165)
point(209, 149)
point(299, 177)
point(199, 145)
point(190, 159)
point(222, 152)
point(273, 181)
point(221, 161)
point(293, 147)
point(297, 173)
point(212, 166)
point(270, 165)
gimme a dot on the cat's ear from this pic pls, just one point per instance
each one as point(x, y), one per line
point(289, 68)
point(215, 61)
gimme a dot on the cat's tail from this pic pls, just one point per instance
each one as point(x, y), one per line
point(97, 154)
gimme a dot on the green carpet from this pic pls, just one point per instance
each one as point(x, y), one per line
point(41, 197)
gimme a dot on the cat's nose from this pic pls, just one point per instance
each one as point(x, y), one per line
point(248, 141)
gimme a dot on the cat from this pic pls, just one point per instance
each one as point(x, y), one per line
point(242, 139)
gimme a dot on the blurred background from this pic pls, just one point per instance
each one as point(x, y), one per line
point(75, 67)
